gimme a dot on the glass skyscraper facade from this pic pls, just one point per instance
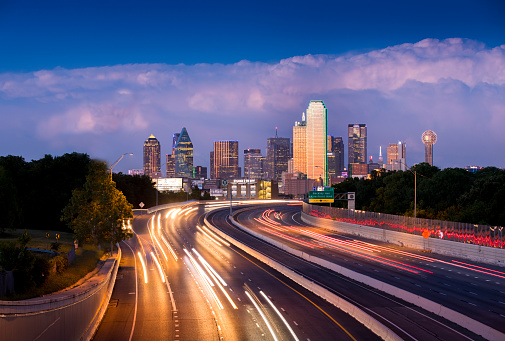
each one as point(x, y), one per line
point(300, 146)
point(152, 157)
point(357, 144)
point(317, 136)
point(225, 157)
point(183, 153)
point(253, 164)
point(278, 154)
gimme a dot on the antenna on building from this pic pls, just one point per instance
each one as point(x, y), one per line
point(276, 132)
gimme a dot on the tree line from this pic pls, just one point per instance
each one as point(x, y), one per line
point(452, 194)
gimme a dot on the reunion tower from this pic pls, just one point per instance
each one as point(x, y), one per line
point(429, 139)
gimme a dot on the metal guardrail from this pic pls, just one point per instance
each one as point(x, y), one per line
point(484, 235)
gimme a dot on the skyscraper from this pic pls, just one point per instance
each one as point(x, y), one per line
point(357, 144)
point(317, 135)
point(429, 139)
point(300, 146)
point(183, 153)
point(170, 166)
point(212, 171)
point(152, 157)
point(338, 150)
point(200, 172)
point(278, 154)
point(253, 164)
point(396, 151)
point(226, 159)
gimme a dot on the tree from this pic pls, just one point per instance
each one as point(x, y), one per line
point(96, 211)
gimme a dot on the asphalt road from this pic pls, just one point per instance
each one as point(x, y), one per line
point(406, 320)
point(246, 300)
point(473, 289)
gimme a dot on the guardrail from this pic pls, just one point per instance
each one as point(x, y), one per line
point(73, 314)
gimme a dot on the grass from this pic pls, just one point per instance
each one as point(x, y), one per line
point(39, 240)
point(86, 260)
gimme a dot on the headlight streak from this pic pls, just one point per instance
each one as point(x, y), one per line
point(143, 267)
point(280, 315)
point(175, 213)
point(262, 315)
point(162, 275)
point(191, 210)
point(169, 247)
point(214, 274)
point(221, 240)
point(169, 213)
point(206, 280)
point(212, 239)
point(154, 239)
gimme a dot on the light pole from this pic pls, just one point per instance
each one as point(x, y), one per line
point(112, 227)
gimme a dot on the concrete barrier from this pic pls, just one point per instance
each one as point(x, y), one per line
point(477, 253)
point(73, 314)
point(368, 321)
point(436, 308)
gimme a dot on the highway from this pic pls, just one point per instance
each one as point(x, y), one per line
point(195, 287)
point(475, 290)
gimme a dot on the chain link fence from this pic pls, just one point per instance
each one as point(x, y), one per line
point(492, 236)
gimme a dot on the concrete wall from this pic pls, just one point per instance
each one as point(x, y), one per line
point(70, 315)
point(472, 252)
point(360, 315)
point(436, 308)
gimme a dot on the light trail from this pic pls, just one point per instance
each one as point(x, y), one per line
point(212, 239)
point(169, 247)
point(280, 315)
point(191, 210)
point(162, 275)
point(143, 267)
point(206, 280)
point(204, 262)
point(262, 315)
point(169, 213)
point(221, 240)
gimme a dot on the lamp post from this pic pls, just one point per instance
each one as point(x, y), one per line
point(112, 227)
point(117, 161)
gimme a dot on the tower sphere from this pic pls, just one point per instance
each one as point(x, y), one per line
point(429, 137)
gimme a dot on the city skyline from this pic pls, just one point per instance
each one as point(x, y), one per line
point(100, 91)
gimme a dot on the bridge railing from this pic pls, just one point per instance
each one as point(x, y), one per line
point(485, 235)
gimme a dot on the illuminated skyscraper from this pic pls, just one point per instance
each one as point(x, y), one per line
point(317, 135)
point(253, 164)
point(152, 157)
point(278, 154)
point(338, 150)
point(300, 146)
point(170, 166)
point(183, 153)
point(357, 147)
point(397, 155)
point(212, 171)
point(226, 160)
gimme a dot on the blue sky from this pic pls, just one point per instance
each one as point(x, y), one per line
point(100, 77)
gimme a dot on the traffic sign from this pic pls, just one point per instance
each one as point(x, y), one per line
point(224, 183)
point(322, 196)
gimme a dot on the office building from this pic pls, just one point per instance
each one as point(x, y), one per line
point(175, 138)
point(170, 166)
point(212, 171)
point(183, 153)
point(253, 164)
point(225, 160)
point(200, 172)
point(300, 146)
point(278, 154)
point(152, 157)
point(357, 144)
point(397, 156)
point(338, 150)
point(317, 135)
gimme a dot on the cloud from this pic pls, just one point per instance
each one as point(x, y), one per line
point(455, 87)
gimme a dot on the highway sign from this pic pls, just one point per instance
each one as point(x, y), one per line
point(224, 183)
point(322, 196)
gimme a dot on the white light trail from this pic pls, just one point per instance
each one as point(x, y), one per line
point(262, 315)
point(221, 240)
point(169, 248)
point(162, 275)
point(205, 233)
point(280, 315)
point(143, 267)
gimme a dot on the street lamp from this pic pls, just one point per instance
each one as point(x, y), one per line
point(117, 161)
point(112, 227)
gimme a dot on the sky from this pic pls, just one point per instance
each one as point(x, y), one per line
point(99, 77)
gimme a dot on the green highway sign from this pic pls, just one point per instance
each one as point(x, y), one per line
point(322, 196)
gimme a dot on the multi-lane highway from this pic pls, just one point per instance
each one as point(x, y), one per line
point(472, 289)
point(179, 281)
